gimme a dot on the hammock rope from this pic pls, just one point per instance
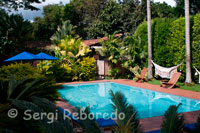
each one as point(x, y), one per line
point(165, 72)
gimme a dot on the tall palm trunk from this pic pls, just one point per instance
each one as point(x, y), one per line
point(187, 41)
point(149, 40)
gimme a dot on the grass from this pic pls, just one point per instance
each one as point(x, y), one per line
point(195, 87)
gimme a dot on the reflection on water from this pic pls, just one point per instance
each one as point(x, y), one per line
point(148, 103)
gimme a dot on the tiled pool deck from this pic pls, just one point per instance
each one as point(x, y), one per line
point(153, 123)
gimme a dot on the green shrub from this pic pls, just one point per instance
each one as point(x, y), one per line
point(176, 45)
point(141, 42)
point(87, 69)
point(59, 70)
point(20, 70)
point(196, 43)
point(160, 32)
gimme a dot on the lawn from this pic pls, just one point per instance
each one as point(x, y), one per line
point(195, 87)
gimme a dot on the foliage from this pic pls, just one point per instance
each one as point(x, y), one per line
point(34, 105)
point(88, 125)
point(72, 47)
point(40, 87)
point(21, 70)
point(172, 121)
point(112, 49)
point(196, 43)
point(107, 22)
point(86, 12)
point(176, 45)
point(36, 96)
point(124, 54)
point(160, 34)
point(12, 4)
point(180, 4)
point(62, 32)
point(131, 121)
point(7, 46)
point(133, 13)
point(14, 28)
point(162, 10)
point(140, 36)
point(58, 70)
point(44, 28)
point(87, 69)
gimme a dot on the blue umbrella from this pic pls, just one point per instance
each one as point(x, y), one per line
point(24, 56)
point(46, 56)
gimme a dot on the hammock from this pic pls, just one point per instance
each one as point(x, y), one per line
point(164, 72)
point(197, 72)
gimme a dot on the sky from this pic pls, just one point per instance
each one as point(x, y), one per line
point(30, 15)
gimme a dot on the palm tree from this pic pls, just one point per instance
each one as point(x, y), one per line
point(187, 40)
point(149, 40)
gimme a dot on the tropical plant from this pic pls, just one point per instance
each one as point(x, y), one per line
point(52, 122)
point(12, 89)
point(62, 32)
point(131, 121)
point(112, 49)
point(72, 48)
point(87, 69)
point(172, 121)
point(59, 70)
point(31, 96)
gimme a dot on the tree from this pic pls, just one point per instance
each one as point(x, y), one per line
point(162, 10)
point(149, 40)
point(15, 4)
point(187, 41)
point(194, 7)
point(107, 22)
point(45, 27)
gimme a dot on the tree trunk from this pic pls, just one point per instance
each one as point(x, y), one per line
point(187, 41)
point(149, 40)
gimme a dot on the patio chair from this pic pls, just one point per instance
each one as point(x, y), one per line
point(142, 75)
point(172, 82)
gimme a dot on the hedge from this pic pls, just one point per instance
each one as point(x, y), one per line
point(168, 42)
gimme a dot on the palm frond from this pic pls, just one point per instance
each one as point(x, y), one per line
point(88, 125)
point(131, 121)
point(172, 121)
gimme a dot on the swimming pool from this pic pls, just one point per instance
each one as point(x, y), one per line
point(148, 103)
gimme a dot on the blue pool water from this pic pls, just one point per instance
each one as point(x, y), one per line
point(148, 103)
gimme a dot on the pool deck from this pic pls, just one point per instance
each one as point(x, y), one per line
point(153, 123)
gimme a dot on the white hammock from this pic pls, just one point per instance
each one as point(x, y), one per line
point(164, 72)
point(197, 72)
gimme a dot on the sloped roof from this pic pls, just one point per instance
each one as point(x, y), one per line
point(96, 41)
